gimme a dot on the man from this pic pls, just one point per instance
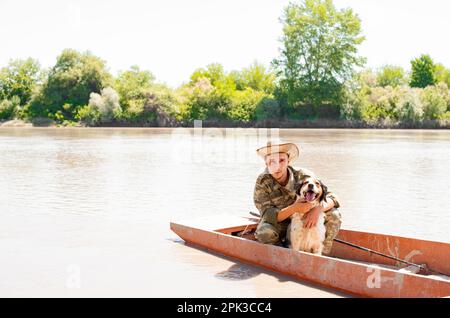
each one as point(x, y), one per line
point(275, 198)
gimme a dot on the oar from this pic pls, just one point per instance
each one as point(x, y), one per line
point(422, 267)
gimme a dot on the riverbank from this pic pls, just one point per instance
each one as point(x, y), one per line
point(273, 123)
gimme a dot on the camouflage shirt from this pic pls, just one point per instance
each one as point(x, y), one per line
point(270, 197)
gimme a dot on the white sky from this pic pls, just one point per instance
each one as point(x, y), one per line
point(172, 38)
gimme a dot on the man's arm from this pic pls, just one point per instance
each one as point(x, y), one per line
point(327, 204)
point(331, 201)
point(262, 201)
point(297, 207)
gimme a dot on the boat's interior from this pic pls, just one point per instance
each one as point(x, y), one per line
point(344, 252)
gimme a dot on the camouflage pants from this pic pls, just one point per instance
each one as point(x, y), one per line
point(268, 234)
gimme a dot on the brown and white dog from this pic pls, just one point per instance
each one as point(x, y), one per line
point(302, 239)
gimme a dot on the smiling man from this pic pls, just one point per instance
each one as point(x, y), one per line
point(275, 198)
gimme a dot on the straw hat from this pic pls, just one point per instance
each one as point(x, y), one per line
point(290, 148)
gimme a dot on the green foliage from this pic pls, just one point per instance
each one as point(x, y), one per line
point(20, 79)
point(244, 104)
point(207, 94)
point(318, 53)
point(445, 116)
point(354, 105)
point(71, 81)
point(442, 74)
point(144, 101)
point(132, 86)
point(204, 101)
point(402, 104)
point(390, 75)
point(161, 106)
point(435, 100)
point(106, 103)
point(9, 109)
point(79, 88)
point(365, 79)
point(256, 77)
point(380, 104)
point(213, 93)
point(423, 70)
point(409, 107)
point(88, 114)
point(267, 108)
point(213, 72)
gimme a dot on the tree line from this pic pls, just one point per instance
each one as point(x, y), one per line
point(318, 75)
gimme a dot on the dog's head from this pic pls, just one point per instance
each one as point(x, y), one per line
point(311, 189)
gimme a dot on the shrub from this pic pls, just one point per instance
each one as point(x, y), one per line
point(162, 101)
point(88, 114)
point(203, 101)
point(390, 75)
point(132, 86)
point(434, 99)
point(354, 104)
point(445, 116)
point(244, 104)
point(9, 108)
point(442, 74)
point(409, 106)
point(267, 108)
point(257, 77)
point(381, 104)
point(107, 104)
point(20, 78)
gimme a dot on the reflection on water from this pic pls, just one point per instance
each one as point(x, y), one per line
point(103, 198)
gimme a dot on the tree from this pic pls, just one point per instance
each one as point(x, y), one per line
point(213, 72)
point(423, 70)
point(442, 74)
point(132, 86)
point(318, 52)
point(202, 100)
point(258, 78)
point(9, 108)
point(390, 75)
point(19, 79)
point(434, 99)
point(69, 84)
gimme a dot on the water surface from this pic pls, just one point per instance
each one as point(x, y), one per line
point(85, 212)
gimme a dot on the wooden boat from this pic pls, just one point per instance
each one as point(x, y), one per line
point(346, 269)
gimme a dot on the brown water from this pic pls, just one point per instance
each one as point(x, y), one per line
point(85, 212)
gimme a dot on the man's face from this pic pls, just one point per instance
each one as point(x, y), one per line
point(277, 164)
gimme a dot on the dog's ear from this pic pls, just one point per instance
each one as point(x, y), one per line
point(324, 191)
point(300, 183)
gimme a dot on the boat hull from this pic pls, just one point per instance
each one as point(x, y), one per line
point(348, 275)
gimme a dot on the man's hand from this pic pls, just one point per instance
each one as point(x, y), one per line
point(302, 207)
point(310, 219)
point(297, 207)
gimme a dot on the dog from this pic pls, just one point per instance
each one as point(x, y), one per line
point(309, 240)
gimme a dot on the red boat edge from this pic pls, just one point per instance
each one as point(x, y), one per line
point(347, 269)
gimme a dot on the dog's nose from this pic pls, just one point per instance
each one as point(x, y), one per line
point(310, 186)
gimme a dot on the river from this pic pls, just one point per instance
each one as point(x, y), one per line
point(85, 212)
